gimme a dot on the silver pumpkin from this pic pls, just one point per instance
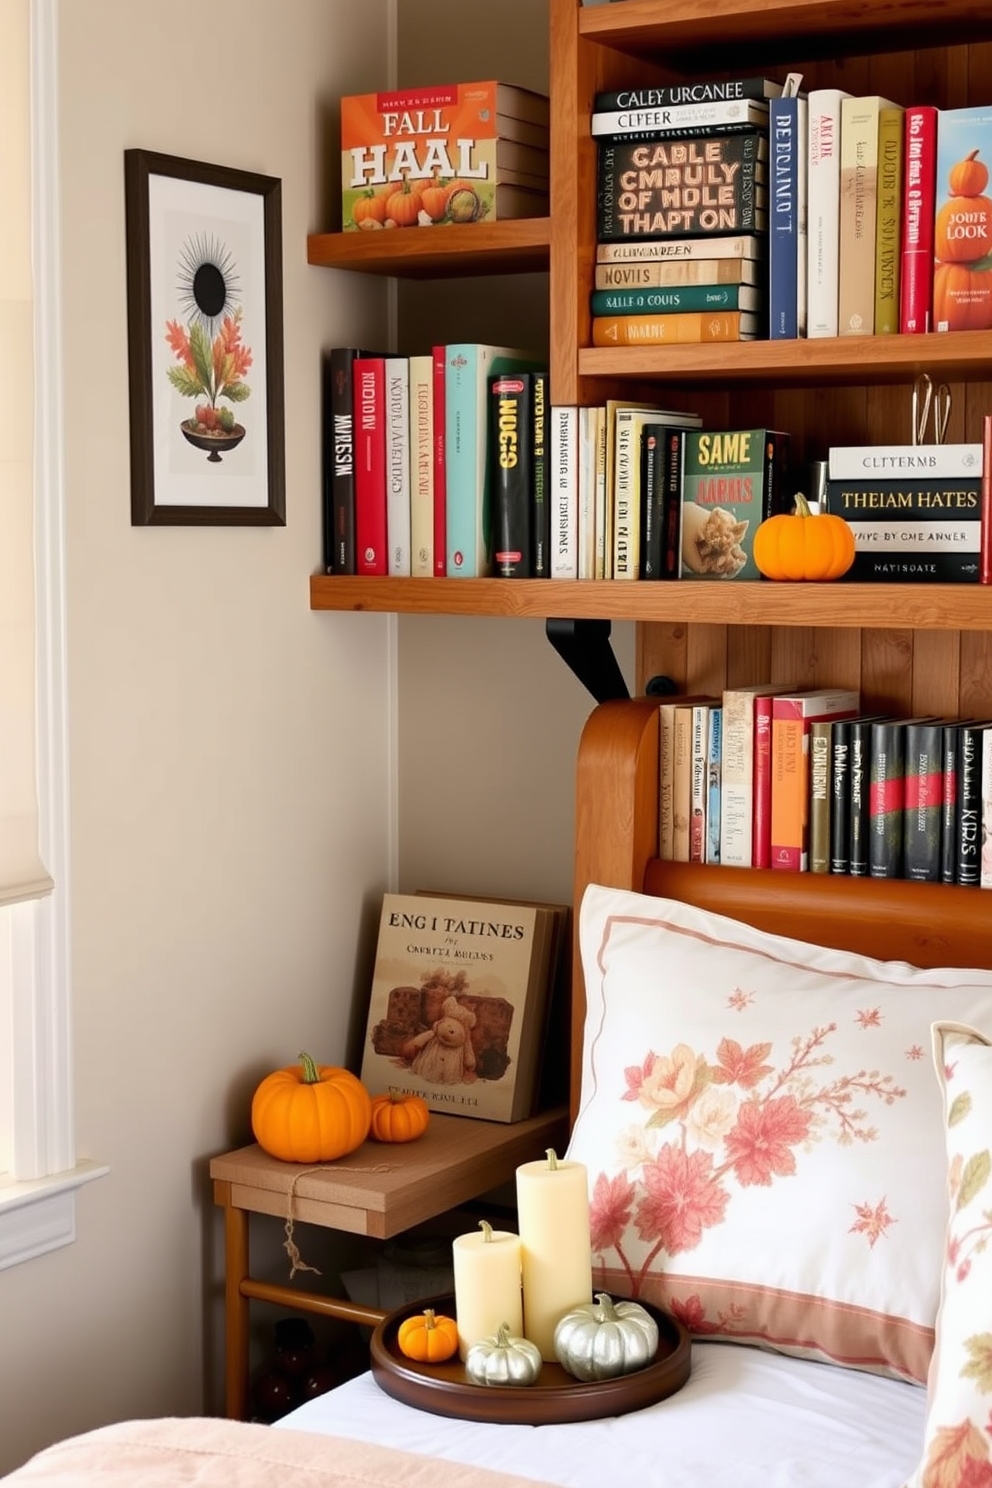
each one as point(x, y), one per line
point(599, 1340)
point(503, 1360)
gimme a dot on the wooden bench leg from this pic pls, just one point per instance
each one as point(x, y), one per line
point(236, 1322)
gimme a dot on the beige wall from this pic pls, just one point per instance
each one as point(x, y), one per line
point(230, 765)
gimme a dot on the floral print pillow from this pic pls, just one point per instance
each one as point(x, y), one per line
point(762, 1131)
point(958, 1442)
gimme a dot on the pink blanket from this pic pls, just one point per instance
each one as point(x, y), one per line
point(176, 1452)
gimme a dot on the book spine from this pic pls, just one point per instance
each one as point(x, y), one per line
point(672, 509)
point(678, 121)
point(370, 466)
point(761, 828)
point(398, 466)
point(840, 797)
point(510, 447)
point(465, 461)
point(666, 782)
point(687, 327)
point(678, 250)
point(563, 490)
point(929, 530)
point(788, 821)
point(874, 462)
point(823, 212)
point(339, 460)
point(887, 799)
point(737, 779)
point(599, 509)
point(949, 804)
point(985, 855)
point(919, 202)
point(923, 808)
point(422, 467)
point(541, 568)
point(861, 747)
point(968, 823)
point(438, 359)
point(699, 783)
point(632, 204)
point(680, 94)
point(786, 235)
point(652, 488)
point(663, 300)
point(681, 783)
point(714, 781)
point(820, 755)
point(888, 221)
point(679, 274)
point(858, 166)
point(588, 443)
point(626, 494)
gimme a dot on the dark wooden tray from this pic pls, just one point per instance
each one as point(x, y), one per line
point(446, 1390)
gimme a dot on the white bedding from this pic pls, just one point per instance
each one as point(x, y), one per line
point(746, 1418)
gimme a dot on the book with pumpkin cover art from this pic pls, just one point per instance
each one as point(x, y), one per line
point(449, 154)
point(460, 993)
point(962, 235)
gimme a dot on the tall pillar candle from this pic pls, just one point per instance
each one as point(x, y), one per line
point(555, 1249)
point(487, 1285)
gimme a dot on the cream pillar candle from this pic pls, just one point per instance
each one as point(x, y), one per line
point(487, 1285)
point(555, 1250)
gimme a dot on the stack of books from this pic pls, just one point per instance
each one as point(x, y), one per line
point(682, 213)
point(443, 156)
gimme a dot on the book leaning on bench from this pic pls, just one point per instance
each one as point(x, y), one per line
point(459, 1003)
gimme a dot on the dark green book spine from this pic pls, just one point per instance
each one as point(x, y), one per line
point(887, 796)
point(923, 810)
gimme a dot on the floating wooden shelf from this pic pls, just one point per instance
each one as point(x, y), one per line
point(518, 247)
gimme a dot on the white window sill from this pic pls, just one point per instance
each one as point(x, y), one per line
point(39, 1215)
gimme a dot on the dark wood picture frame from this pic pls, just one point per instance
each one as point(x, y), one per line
point(205, 341)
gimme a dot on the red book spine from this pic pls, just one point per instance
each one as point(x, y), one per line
point(919, 204)
point(761, 845)
point(985, 539)
point(371, 555)
point(440, 492)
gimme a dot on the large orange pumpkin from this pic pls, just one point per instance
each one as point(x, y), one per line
point(963, 229)
point(310, 1113)
point(403, 207)
point(803, 546)
point(962, 297)
point(369, 209)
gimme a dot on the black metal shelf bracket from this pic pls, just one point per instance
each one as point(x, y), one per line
point(584, 646)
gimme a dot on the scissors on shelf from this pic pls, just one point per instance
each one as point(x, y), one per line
point(928, 399)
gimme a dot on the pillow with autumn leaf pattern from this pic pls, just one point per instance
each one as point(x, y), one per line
point(762, 1131)
point(958, 1441)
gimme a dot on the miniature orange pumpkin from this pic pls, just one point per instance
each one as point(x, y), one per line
point(968, 177)
point(428, 1337)
point(403, 207)
point(804, 546)
point(369, 208)
point(399, 1117)
point(962, 297)
point(434, 200)
point(309, 1113)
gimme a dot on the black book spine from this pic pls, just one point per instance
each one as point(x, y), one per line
point(860, 797)
point(672, 509)
point(339, 458)
point(887, 799)
point(949, 805)
point(541, 568)
point(968, 814)
point(652, 498)
point(511, 420)
point(923, 810)
point(633, 203)
point(840, 797)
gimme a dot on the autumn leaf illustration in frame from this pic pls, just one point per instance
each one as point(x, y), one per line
point(205, 347)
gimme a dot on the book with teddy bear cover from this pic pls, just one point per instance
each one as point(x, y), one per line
point(459, 1003)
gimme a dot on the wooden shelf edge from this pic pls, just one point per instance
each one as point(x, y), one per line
point(519, 246)
point(917, 606)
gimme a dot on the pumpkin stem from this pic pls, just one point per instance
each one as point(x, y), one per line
point(605, 1302)
point(502, 1335)
point(310, 1074)
point(487, 1230)
point(552, 1158)
point(429, 1319)
point(802, 505)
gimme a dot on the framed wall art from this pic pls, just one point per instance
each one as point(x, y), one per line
point(205, 357)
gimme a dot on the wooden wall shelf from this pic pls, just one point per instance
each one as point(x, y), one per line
point(518, 247)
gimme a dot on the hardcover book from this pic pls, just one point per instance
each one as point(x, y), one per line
point(664, 300)
point(788, 129)
point(732, 480)
point(369, 392)
point(511, 446)
point(677, 94)
point(962, 222)
point(661, 500)
point(923, 808)
point(985, 857)
point(541, 566)
point(422, 466)
point(949, 801)
point(431, 157)
point(681, 274)
point(820, 794)
point(858, 212)
point(458, 1004)
point(682, 121)
point(888, 221)
point(676, 250)
point(397, 371)
point(857, 462)
point(667, 790)
point(714, 785)
point(793, 715)
point(886, 818)
point(823, 211)
point(927, 530)
point(339, 458)
point(737, 780)
point(675, 188)
point(628, 427)
point(968, 809)
point(919, 198)
point(842, 751)
point(438, 362)
point(684, 327)
point(699, 781)
point(861, 753)
point(563, 490)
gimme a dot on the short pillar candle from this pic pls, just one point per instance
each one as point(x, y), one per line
point(555, 1249)
point(487, 1285)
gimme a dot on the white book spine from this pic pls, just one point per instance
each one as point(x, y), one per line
point(564, 491)
point(398, 466)
point(421, 467)
point(669, 118)
point(588, 436)
point(823, 211)
point(895, 461)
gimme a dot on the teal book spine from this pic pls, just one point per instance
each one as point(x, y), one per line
point(674, 298)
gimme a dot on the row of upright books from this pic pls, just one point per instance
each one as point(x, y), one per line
point(803, 781)
point(748, 208)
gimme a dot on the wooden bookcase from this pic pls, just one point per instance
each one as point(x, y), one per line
point(910, 648)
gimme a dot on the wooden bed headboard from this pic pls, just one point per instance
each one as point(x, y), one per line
point(616, 844)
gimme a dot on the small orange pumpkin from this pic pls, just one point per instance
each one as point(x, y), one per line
point(434, 200)
point(310, 1113)
point(968, 177)
point(403, 207)
point(962, 297)
point(803, 546)
point(399, 1117)
point(428, 1337)
point(369, 209)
